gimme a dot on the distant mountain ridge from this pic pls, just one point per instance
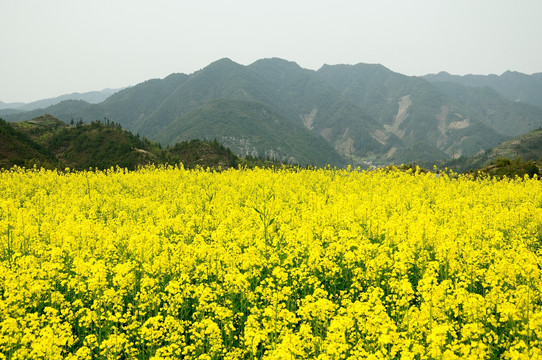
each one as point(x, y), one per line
point(91, 97)
point(13, 105)
point(357, 114)
point(513, 85)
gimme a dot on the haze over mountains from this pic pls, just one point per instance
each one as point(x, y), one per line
point(92, 97)
point(512, 85)
point(339, 114)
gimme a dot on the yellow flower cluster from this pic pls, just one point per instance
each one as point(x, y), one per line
point(166, 263)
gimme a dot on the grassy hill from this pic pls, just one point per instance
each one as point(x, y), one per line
point(51, 143)
point(16, 148)
point(81, 146)
point(527, 146)
point(198, 153)
point(513, 156)
point(40, 129)
point(502, 167)
point(100, 146)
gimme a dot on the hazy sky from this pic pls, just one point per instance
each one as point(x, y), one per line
point(54, 47)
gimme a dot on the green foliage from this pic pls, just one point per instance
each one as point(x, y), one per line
point(250, 128)
point(198, 153)
point(99, 145)
point(532, 169)
point(102, 144)
point(17, 148)
point(527, 147)
point(502, 167)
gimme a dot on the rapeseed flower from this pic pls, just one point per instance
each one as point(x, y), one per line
point(167, 263)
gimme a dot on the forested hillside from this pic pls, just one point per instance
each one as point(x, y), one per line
point(48, 142)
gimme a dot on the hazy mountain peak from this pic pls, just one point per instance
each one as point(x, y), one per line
point(222, 66)
point(511, 73)
point(222, 63)
point(275, 61)
point(358, 66)
point(174, 76)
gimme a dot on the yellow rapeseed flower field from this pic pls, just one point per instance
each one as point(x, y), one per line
point(167, 263)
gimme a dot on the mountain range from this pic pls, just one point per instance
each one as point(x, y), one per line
point(92, 97)
point(339, 114)
point(512, 85)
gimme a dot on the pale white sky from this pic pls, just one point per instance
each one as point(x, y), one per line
point(54, 47)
